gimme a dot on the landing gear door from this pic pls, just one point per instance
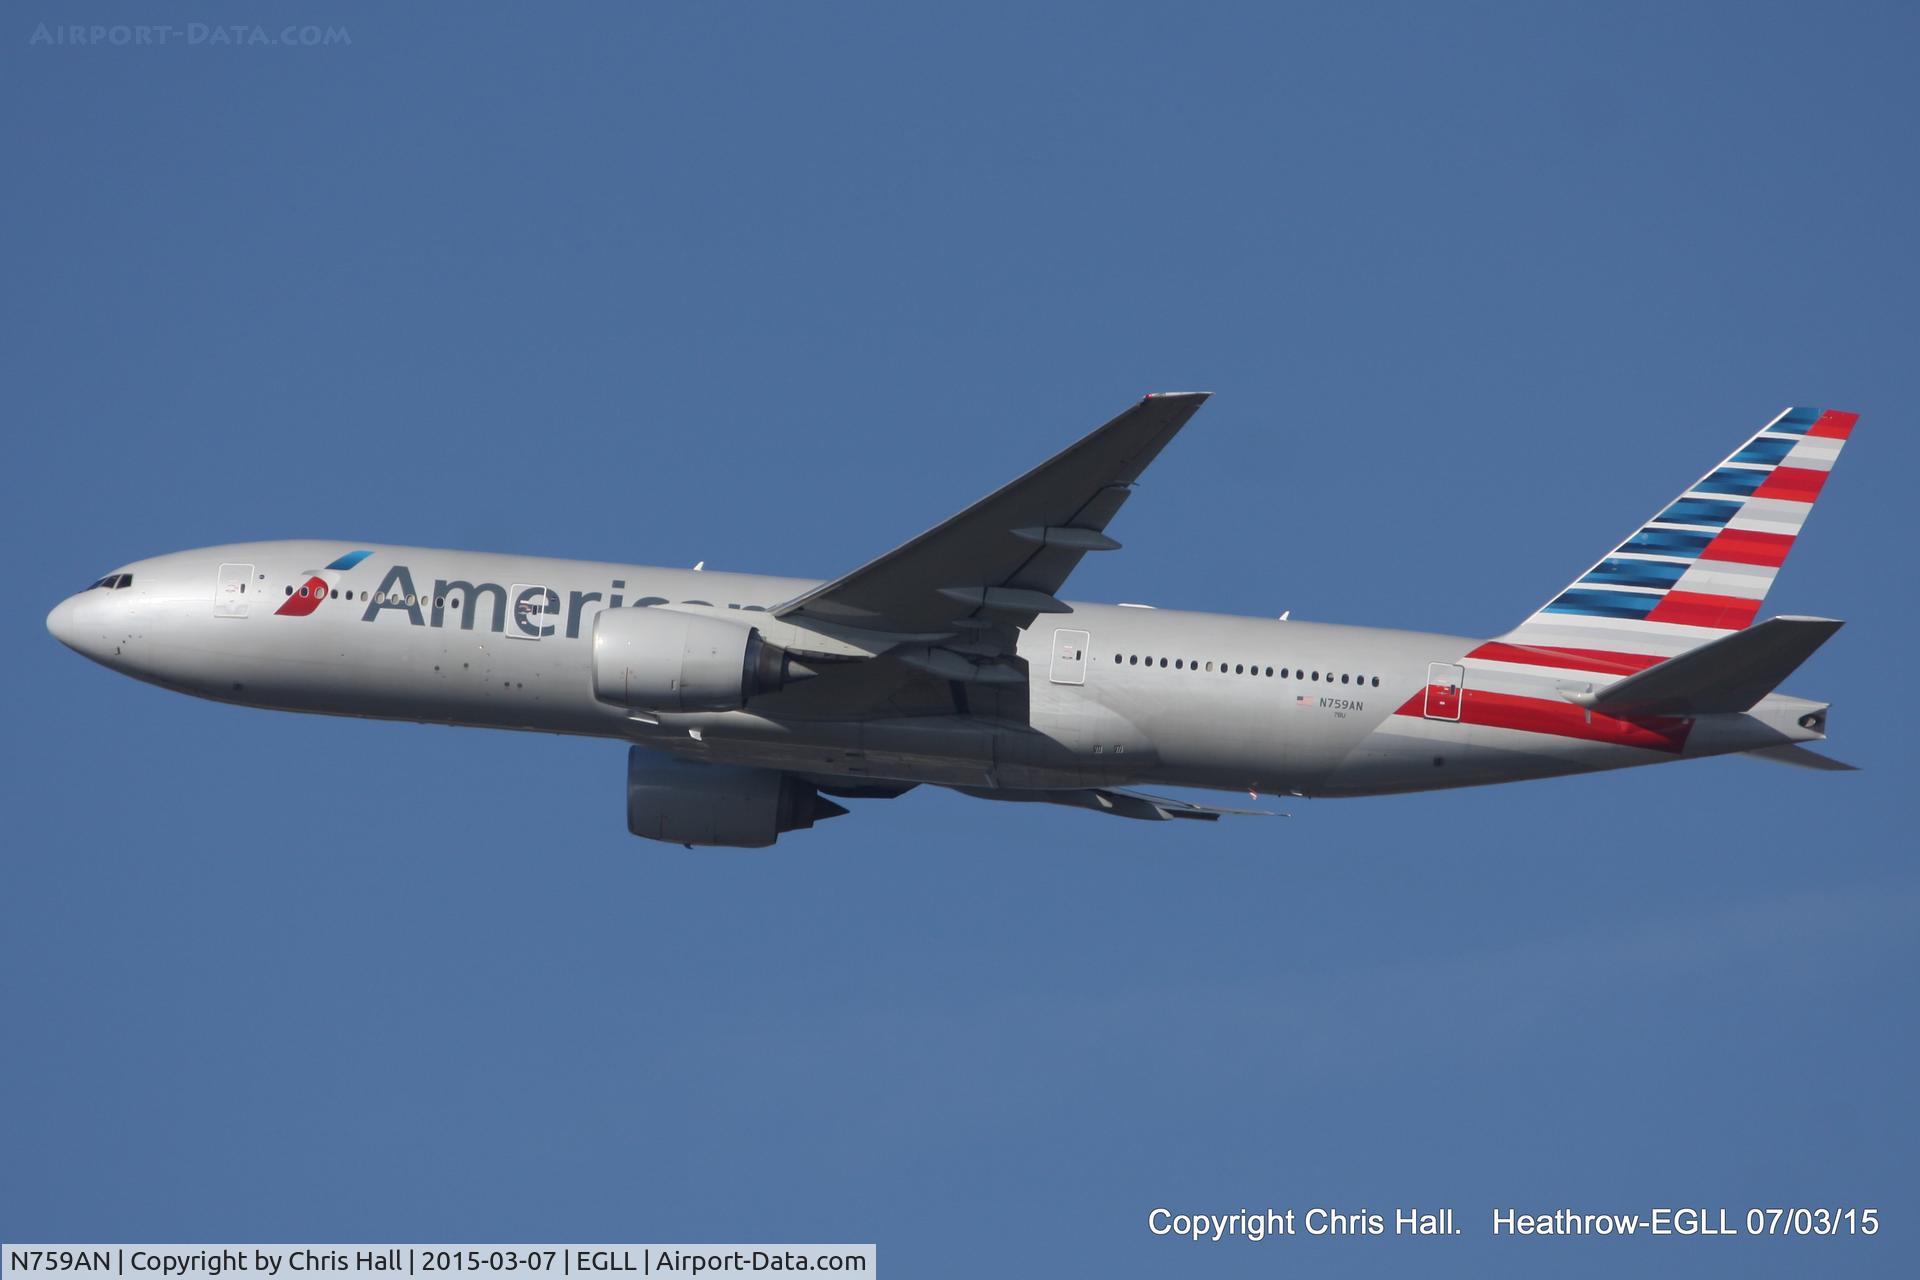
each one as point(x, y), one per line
point(233, 590)
point(1069, 657)
point(1446, 683)
point(531, 611)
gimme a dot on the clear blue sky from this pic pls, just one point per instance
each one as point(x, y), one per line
point(776, 286)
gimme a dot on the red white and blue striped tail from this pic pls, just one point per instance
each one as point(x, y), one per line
point(1697, 570)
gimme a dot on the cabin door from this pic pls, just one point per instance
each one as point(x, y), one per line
point(532, 611)
point(1446, 681)
point(233, 590)
point(1069, 657)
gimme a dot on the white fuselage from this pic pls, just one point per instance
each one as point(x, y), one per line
point(1115, 694)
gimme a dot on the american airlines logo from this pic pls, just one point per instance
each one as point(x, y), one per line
point(318, 585)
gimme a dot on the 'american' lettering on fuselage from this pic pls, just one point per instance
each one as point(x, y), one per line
point(532, 613)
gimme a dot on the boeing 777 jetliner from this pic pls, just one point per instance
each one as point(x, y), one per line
point(952, 661)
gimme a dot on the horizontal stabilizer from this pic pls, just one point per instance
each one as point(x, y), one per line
point(1724, 676)
point(1800, 758)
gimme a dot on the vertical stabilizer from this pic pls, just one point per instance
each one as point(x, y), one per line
point(1696, 571)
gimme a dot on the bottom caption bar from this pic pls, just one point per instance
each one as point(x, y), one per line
point(386, 1261)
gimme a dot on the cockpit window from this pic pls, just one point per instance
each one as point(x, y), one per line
point(126, 580)
point(112, 582)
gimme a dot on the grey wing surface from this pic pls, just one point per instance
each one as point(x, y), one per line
point(997, 565)
point(1120, 803)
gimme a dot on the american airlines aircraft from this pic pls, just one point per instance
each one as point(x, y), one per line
point(951, 661)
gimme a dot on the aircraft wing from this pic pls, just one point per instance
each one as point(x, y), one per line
point(1120, 803)
point(996, 566)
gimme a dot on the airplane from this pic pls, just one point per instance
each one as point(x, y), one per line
point(751, 704)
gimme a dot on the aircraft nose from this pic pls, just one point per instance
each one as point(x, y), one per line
point(61, 621)
point(91, 626)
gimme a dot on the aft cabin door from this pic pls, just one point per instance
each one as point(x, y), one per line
point(1069, 657)
point(1445, 681)
point(233, 590)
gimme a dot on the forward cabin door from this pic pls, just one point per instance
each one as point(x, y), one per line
point(531, 611)
point(1445, 683)
point(233, 590)
point(1069, 657)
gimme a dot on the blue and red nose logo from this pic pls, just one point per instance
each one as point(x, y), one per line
point(305, 599)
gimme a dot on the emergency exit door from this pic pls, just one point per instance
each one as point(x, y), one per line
point(1069, 657)
point(1445, 683)
point(233, 590)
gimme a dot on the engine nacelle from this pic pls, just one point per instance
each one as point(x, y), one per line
point(663, 660)
point(684, 802)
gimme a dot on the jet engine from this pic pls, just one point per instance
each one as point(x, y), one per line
point(685, 802)
point(662, 660)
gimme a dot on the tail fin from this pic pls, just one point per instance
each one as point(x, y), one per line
point(1697, 570)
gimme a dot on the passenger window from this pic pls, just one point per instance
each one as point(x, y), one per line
point(1163, 662)
point(1343, 679)
point(1269, 673)
point(1209, 666)
point(1134, 660)
point(1376, 682)
point(1179, 664)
